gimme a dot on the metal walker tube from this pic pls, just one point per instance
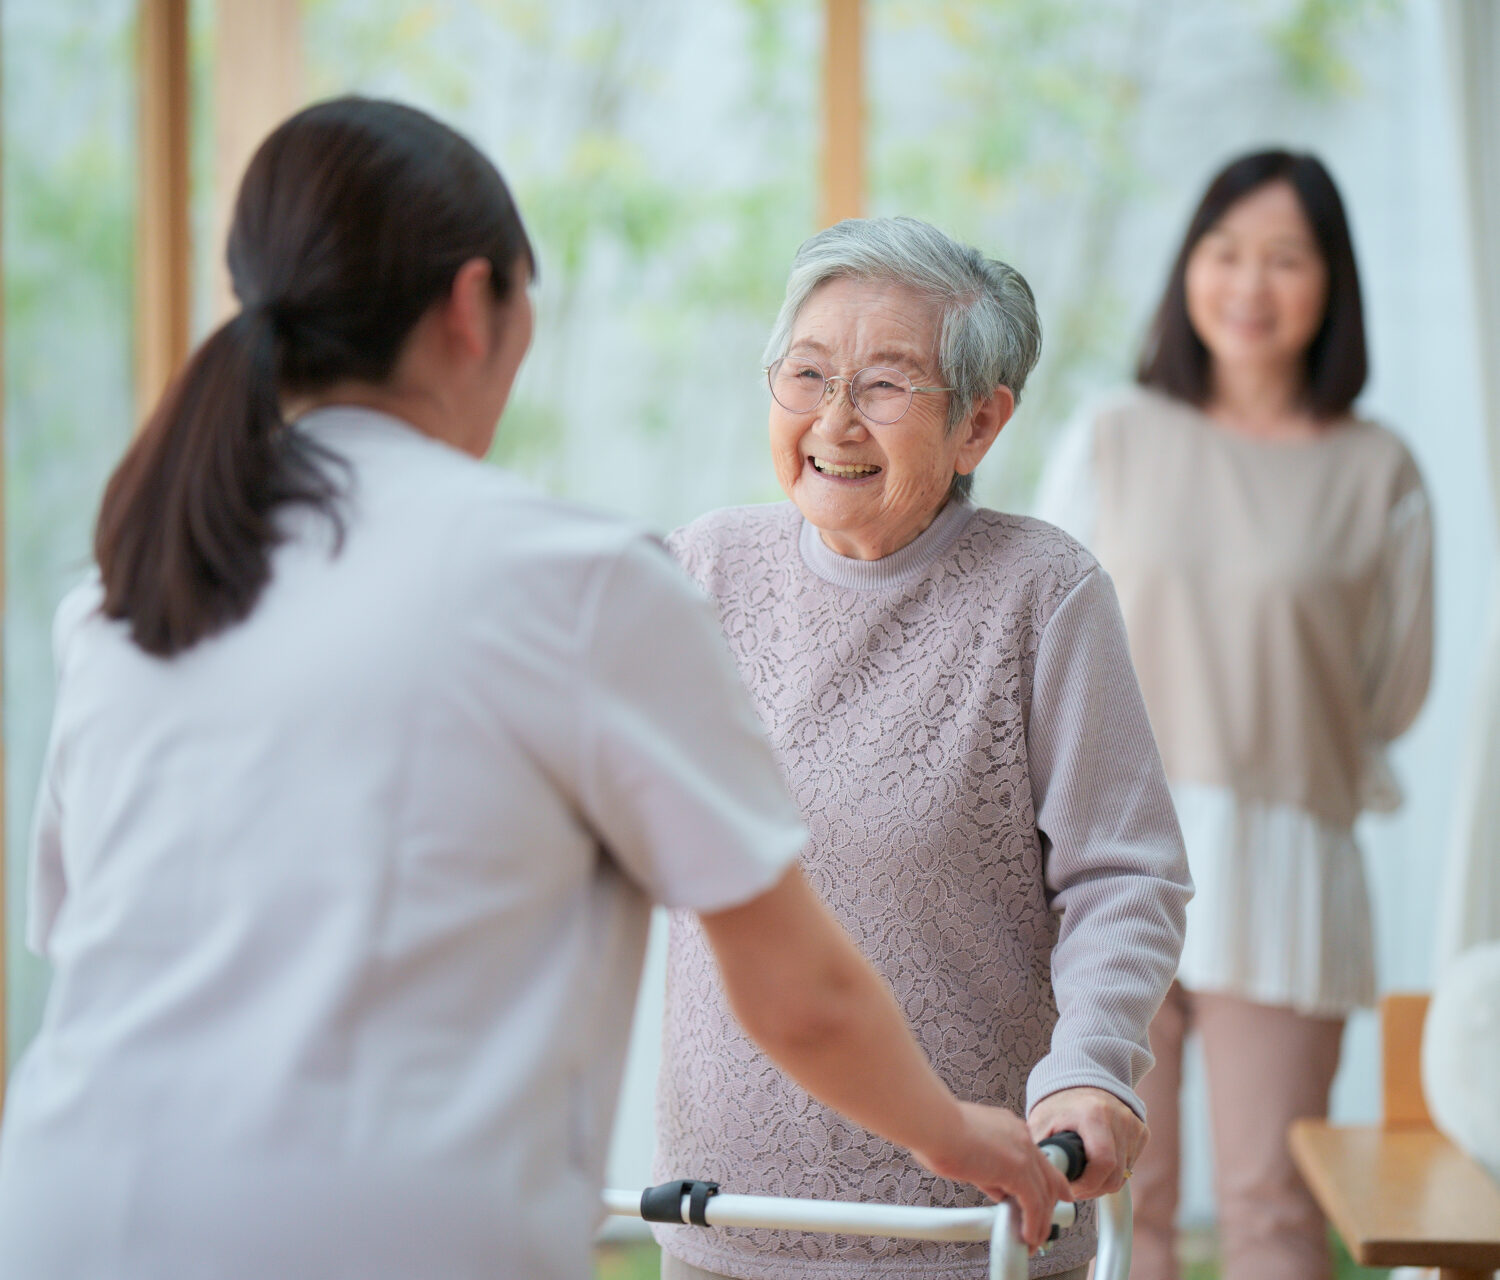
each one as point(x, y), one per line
point(996, 1223)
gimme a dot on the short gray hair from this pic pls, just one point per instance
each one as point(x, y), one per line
point(990, 333)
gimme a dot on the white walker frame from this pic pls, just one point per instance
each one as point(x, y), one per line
point(999, 1224)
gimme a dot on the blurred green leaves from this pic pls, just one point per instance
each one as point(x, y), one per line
point(1309, 42)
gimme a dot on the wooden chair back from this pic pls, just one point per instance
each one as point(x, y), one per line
point(1402, 1104)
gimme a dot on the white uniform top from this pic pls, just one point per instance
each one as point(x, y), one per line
point(347, 905)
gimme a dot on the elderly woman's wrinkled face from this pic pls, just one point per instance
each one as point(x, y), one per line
point(869, 489)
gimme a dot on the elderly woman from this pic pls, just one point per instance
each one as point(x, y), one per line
point(950, 696)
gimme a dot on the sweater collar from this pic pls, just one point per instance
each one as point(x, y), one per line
point(912, 560)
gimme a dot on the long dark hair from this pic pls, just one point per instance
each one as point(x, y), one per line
point(1174, 359)
point(352, 220)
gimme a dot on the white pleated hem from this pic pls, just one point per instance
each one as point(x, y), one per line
point(1282, 910)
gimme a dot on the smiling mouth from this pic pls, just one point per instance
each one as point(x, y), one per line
point(853, 471)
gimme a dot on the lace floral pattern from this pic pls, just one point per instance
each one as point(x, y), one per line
point(899, 717)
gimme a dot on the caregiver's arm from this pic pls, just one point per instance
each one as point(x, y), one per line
point(806, 995)
point(1115, 871)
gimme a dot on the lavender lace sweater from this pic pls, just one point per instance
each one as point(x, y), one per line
point(961, 727)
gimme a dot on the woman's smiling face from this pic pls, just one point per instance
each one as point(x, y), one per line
point(1256, 282)
point(869, 489)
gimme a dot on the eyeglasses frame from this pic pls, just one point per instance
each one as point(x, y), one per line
point(830, 378)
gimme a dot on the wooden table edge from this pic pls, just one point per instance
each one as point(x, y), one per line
point(1479, 1257)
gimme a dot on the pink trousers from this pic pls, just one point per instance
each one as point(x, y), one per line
point(1267, 1066)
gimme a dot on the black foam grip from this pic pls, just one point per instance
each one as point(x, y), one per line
point(698, 1202)
point(663, 1203)
point(1071, 1145)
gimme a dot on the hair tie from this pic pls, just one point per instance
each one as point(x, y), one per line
point(261, 311)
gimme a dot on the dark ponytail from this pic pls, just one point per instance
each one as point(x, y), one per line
point(352, 220)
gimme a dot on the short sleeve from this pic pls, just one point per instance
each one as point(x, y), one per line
point(677, 776)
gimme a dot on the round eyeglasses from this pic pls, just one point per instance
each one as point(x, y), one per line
point(882, 395)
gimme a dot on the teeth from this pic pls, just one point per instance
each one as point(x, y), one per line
point(833, 469)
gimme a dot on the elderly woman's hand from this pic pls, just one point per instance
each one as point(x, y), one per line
point(1112, 1134)
point(993, 1151)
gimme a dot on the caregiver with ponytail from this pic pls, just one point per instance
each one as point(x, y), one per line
point(366, 766)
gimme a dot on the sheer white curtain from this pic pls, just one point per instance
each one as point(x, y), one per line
point(1471, 892)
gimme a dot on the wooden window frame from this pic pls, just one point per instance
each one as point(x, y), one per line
point(843, 167)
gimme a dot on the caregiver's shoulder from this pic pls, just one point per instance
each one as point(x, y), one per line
point(503, 527)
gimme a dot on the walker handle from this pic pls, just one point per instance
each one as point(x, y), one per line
point(1067, 1154)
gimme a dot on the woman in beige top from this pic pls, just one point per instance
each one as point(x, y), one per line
point(949, 694)
point(1273, 559)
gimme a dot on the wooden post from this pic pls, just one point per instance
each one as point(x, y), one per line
point(163, 269)
point(258, 82)
point(843, 111)
point(1402, 1016)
